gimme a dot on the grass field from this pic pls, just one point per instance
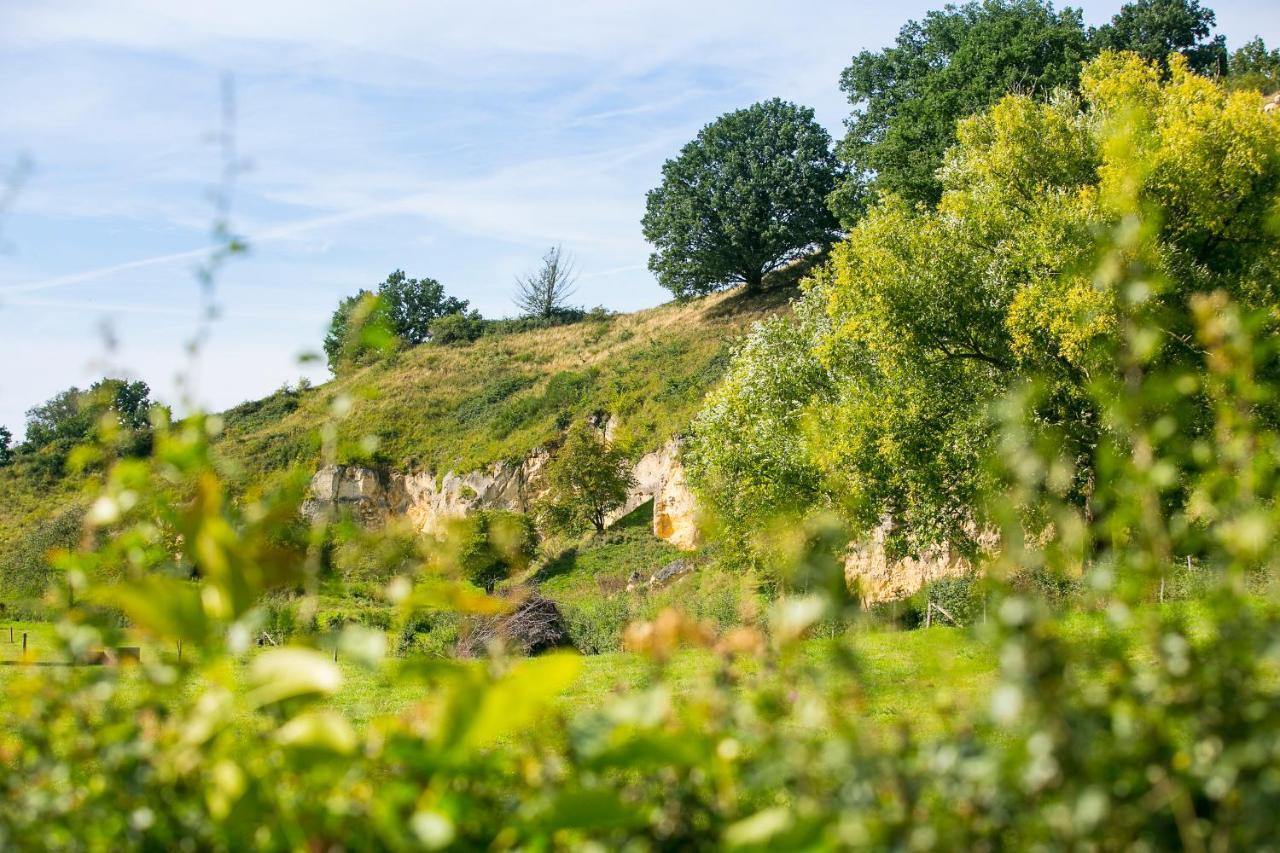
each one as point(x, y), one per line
point(903, 675)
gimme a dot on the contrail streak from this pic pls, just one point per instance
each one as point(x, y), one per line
point(265, 236)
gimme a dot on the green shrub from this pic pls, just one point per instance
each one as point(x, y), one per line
point(962, 597)
point(28, 571)
point(460, 328)
point(595, 625)
point(493, 545)
point(428, 635)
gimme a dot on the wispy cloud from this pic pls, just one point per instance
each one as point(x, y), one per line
point(454, 140)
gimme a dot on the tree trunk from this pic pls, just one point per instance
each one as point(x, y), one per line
point(755, 281)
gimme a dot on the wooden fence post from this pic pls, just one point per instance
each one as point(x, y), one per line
point(179, 650)
point(24, 644)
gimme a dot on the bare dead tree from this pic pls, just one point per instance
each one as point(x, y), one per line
point(544, 292)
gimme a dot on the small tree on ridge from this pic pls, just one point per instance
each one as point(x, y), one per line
point(545, 291)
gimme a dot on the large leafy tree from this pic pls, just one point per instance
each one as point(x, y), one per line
point(953, 63)
point(744, 455)
point(1156, 28)
point(6, 446)
point(933, 315)
point(71, 416)
point(744, 198)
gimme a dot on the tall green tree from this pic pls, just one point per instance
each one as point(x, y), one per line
point(955, 62)
point(6, 446)
point(1156, 28)
point(744, 198)
point(588, 479)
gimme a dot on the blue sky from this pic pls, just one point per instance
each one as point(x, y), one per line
point(455, 141)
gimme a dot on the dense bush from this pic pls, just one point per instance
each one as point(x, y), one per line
point(963, 598)
point(459, 328)
point(493, 545)
point(596, 624)
point(29, 569)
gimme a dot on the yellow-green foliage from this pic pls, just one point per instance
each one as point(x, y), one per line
point(934, 314)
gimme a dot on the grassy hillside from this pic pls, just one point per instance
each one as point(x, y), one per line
point(453, 407)
point(460, 407)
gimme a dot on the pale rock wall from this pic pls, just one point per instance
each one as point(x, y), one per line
point(430, 502)
point(503, 485)
point(675, 511)
point(880, 578)
point(371, 496)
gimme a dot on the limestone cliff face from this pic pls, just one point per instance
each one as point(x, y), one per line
point(660, 477)
point(429, 501)
point(506, 486)
point(883, 579)
point(675, 512)
point(369, 495)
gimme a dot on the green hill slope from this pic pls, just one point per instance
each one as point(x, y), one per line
point(444, 408)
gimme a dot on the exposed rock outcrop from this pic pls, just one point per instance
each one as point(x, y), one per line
point(429, 502)
point(369, 495)
point(675, 510)
point(503, 485)
point(660, 477)
point(881, 578)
